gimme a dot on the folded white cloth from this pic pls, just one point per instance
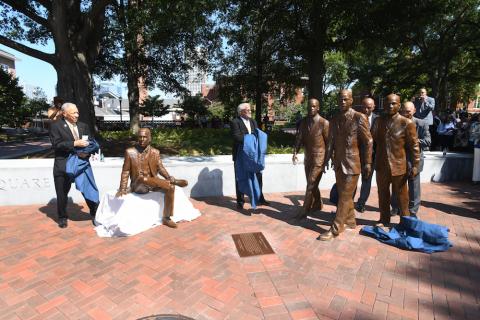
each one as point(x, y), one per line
point(135, 213)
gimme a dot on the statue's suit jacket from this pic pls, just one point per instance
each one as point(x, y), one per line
point(394, 137)
point(313, 135)
point(131, 165)
point(349, 141)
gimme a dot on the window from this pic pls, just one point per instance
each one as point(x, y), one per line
point(4, 67)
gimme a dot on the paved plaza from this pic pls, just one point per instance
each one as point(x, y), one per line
point(195, 270)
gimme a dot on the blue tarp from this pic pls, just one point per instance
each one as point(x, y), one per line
point(80, 170)
point(412, 234)
point(250, 160)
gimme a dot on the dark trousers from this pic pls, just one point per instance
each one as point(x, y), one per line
point(346, 184)
point(241, 196)
point(414, 196)
point(399, 189)
point(62, 186)
point(365, 190)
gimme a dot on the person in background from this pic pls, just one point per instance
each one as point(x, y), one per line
point(55, 111)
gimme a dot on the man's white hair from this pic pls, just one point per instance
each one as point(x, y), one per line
point(67, 105)
point(242, 106)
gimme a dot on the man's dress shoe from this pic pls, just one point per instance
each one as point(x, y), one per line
point(263, 202)
point(63, 223)
point(360, 208)
point(169, 223)
point(239, 205)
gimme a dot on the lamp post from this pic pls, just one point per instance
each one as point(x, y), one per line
point(121, 118)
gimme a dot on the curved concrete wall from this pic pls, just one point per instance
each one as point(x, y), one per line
point(31, 182)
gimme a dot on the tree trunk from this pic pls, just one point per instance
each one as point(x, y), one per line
point(75, 84)
point(259, 94)
point(133, 101)
point(316, 72)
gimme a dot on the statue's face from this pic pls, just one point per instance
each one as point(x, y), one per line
point(392, 104)
point(144, 138)
point(313, 107)
point(345, 100)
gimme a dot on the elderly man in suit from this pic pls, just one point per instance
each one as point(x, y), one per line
point(142, 164)
point(424, 140)
point(350, 148)
point(312, 134)
point(395, 136)
point(240, 126)
point(368, 106)
point(424, 105)
point(66, 133)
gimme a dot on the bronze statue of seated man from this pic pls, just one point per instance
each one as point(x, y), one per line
point(142, 164)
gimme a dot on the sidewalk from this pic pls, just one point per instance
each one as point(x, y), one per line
point(19, 149)
point(195, 270)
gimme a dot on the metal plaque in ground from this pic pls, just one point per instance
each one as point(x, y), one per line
point(166, 317)
point(251, 244)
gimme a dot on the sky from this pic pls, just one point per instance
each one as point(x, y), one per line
point(33, 71)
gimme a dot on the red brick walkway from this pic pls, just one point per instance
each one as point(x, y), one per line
point(50, 273)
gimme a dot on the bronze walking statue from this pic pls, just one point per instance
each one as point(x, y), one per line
point(350, 148)
point(312, 134)
point(396, 139)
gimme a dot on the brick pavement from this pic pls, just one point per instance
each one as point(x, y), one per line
point(50, 273)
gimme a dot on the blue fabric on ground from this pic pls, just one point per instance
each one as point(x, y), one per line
point(250, 160)
point(80, 170)
point(412, 234)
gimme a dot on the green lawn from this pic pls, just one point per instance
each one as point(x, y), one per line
point(191, 142)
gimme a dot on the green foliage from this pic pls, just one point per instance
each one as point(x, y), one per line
point(12, 98)
point(37, 104)
point(153, 105)
point(217, 110)
point(194, 106)
point(199, 142)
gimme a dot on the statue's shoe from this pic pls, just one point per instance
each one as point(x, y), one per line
point(180, 182)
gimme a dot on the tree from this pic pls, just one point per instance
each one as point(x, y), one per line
point(194, 106)
point(11, 100)
point(154, 107)
point(257, 61)
point(37, 103)
point(74, 26)
point(157, 43)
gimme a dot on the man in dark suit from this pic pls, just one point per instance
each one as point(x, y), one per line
point(240, 126)
point(424, 140)
point(66, 134)
point(368, 106)
point(350, 148)
point(312, 134)
point(395, 136)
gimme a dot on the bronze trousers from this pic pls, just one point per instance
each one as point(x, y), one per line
point(346, 184)
point(399, 189)
point(147, 184)
point(313, 198)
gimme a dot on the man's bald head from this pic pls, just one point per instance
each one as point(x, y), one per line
point(368, 105)
point(408, 110)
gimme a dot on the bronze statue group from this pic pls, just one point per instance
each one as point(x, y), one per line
point(356, 143)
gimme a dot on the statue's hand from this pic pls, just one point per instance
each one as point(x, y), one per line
point(413, 172)
point(367, 170)
point(294, 159)
point(120, 193)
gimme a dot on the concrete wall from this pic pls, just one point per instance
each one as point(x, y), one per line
point(31, 182)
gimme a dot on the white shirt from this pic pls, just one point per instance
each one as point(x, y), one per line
point(370, 117)
point(247, 124)
point(73, 127)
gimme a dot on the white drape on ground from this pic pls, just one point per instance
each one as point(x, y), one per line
point(135, 213)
